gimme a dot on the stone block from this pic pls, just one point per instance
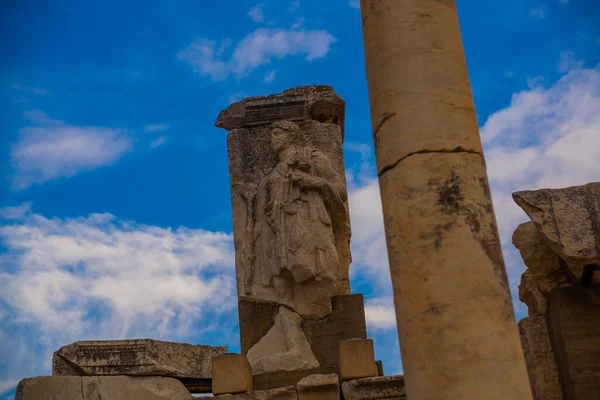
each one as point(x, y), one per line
point(383, 387)
point(141, 357)
point(101, 387)
point(319, 387)
point(379, 365)
point(231, 373)
point(357, 359)
point(574, 330)
point(541, 366)
point(50, 387)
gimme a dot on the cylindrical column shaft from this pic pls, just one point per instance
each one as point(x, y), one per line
point(456, 323)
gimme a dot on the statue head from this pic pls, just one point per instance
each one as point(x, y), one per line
point(283, 134)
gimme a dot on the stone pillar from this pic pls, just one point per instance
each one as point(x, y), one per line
point(456, 322)
point(291, 233)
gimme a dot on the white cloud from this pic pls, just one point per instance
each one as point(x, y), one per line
point(258, 48)
point(53, 149)
point(159, 141)
point(256, 14)
point(539, 13)
point(355, 3)
point(299, 23)
point(270, 76)
point(35, 90)
point(546, 138)
point(294, 6)
point(380, 313)
point(156, 128)
point(97, 277)
point(568, 61)
point(16, 212)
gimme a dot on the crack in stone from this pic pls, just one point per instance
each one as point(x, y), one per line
point(459, 149)
point(386, 116)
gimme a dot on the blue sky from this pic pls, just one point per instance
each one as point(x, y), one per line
point(115, 216)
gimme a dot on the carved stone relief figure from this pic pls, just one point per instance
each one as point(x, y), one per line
point(298, 206)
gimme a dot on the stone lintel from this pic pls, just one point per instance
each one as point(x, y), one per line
point(139, 357)
point(318, 102)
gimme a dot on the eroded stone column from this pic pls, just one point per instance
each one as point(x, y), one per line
point(456, 322)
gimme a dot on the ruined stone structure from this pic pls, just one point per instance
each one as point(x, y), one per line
point(291, 234)
point(561, 249)
point(455, 319)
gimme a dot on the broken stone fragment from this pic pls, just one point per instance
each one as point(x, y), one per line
point(383, 387)
point(529, 293)
point(319, 387)
point(101, 387)
point(140, 357)
point(283, 348)
point(568, 220)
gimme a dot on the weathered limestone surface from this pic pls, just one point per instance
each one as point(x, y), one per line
point(541, 364)
point(574, 330)
point(231, 373)
point(455, 319)
point(357, 359)
point(140, 357)
point(384, 387)
point(283, 348)
point(569, 222)
point(319, 387)
point(101, 387)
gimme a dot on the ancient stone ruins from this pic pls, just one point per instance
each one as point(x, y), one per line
point(302, 332)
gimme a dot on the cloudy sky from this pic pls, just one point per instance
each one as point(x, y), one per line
point(115, 218)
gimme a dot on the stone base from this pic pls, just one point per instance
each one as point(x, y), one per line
point(347, 321)
point(101, 387)
point(383, 387)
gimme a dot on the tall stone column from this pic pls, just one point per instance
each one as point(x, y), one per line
point(456, 322)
